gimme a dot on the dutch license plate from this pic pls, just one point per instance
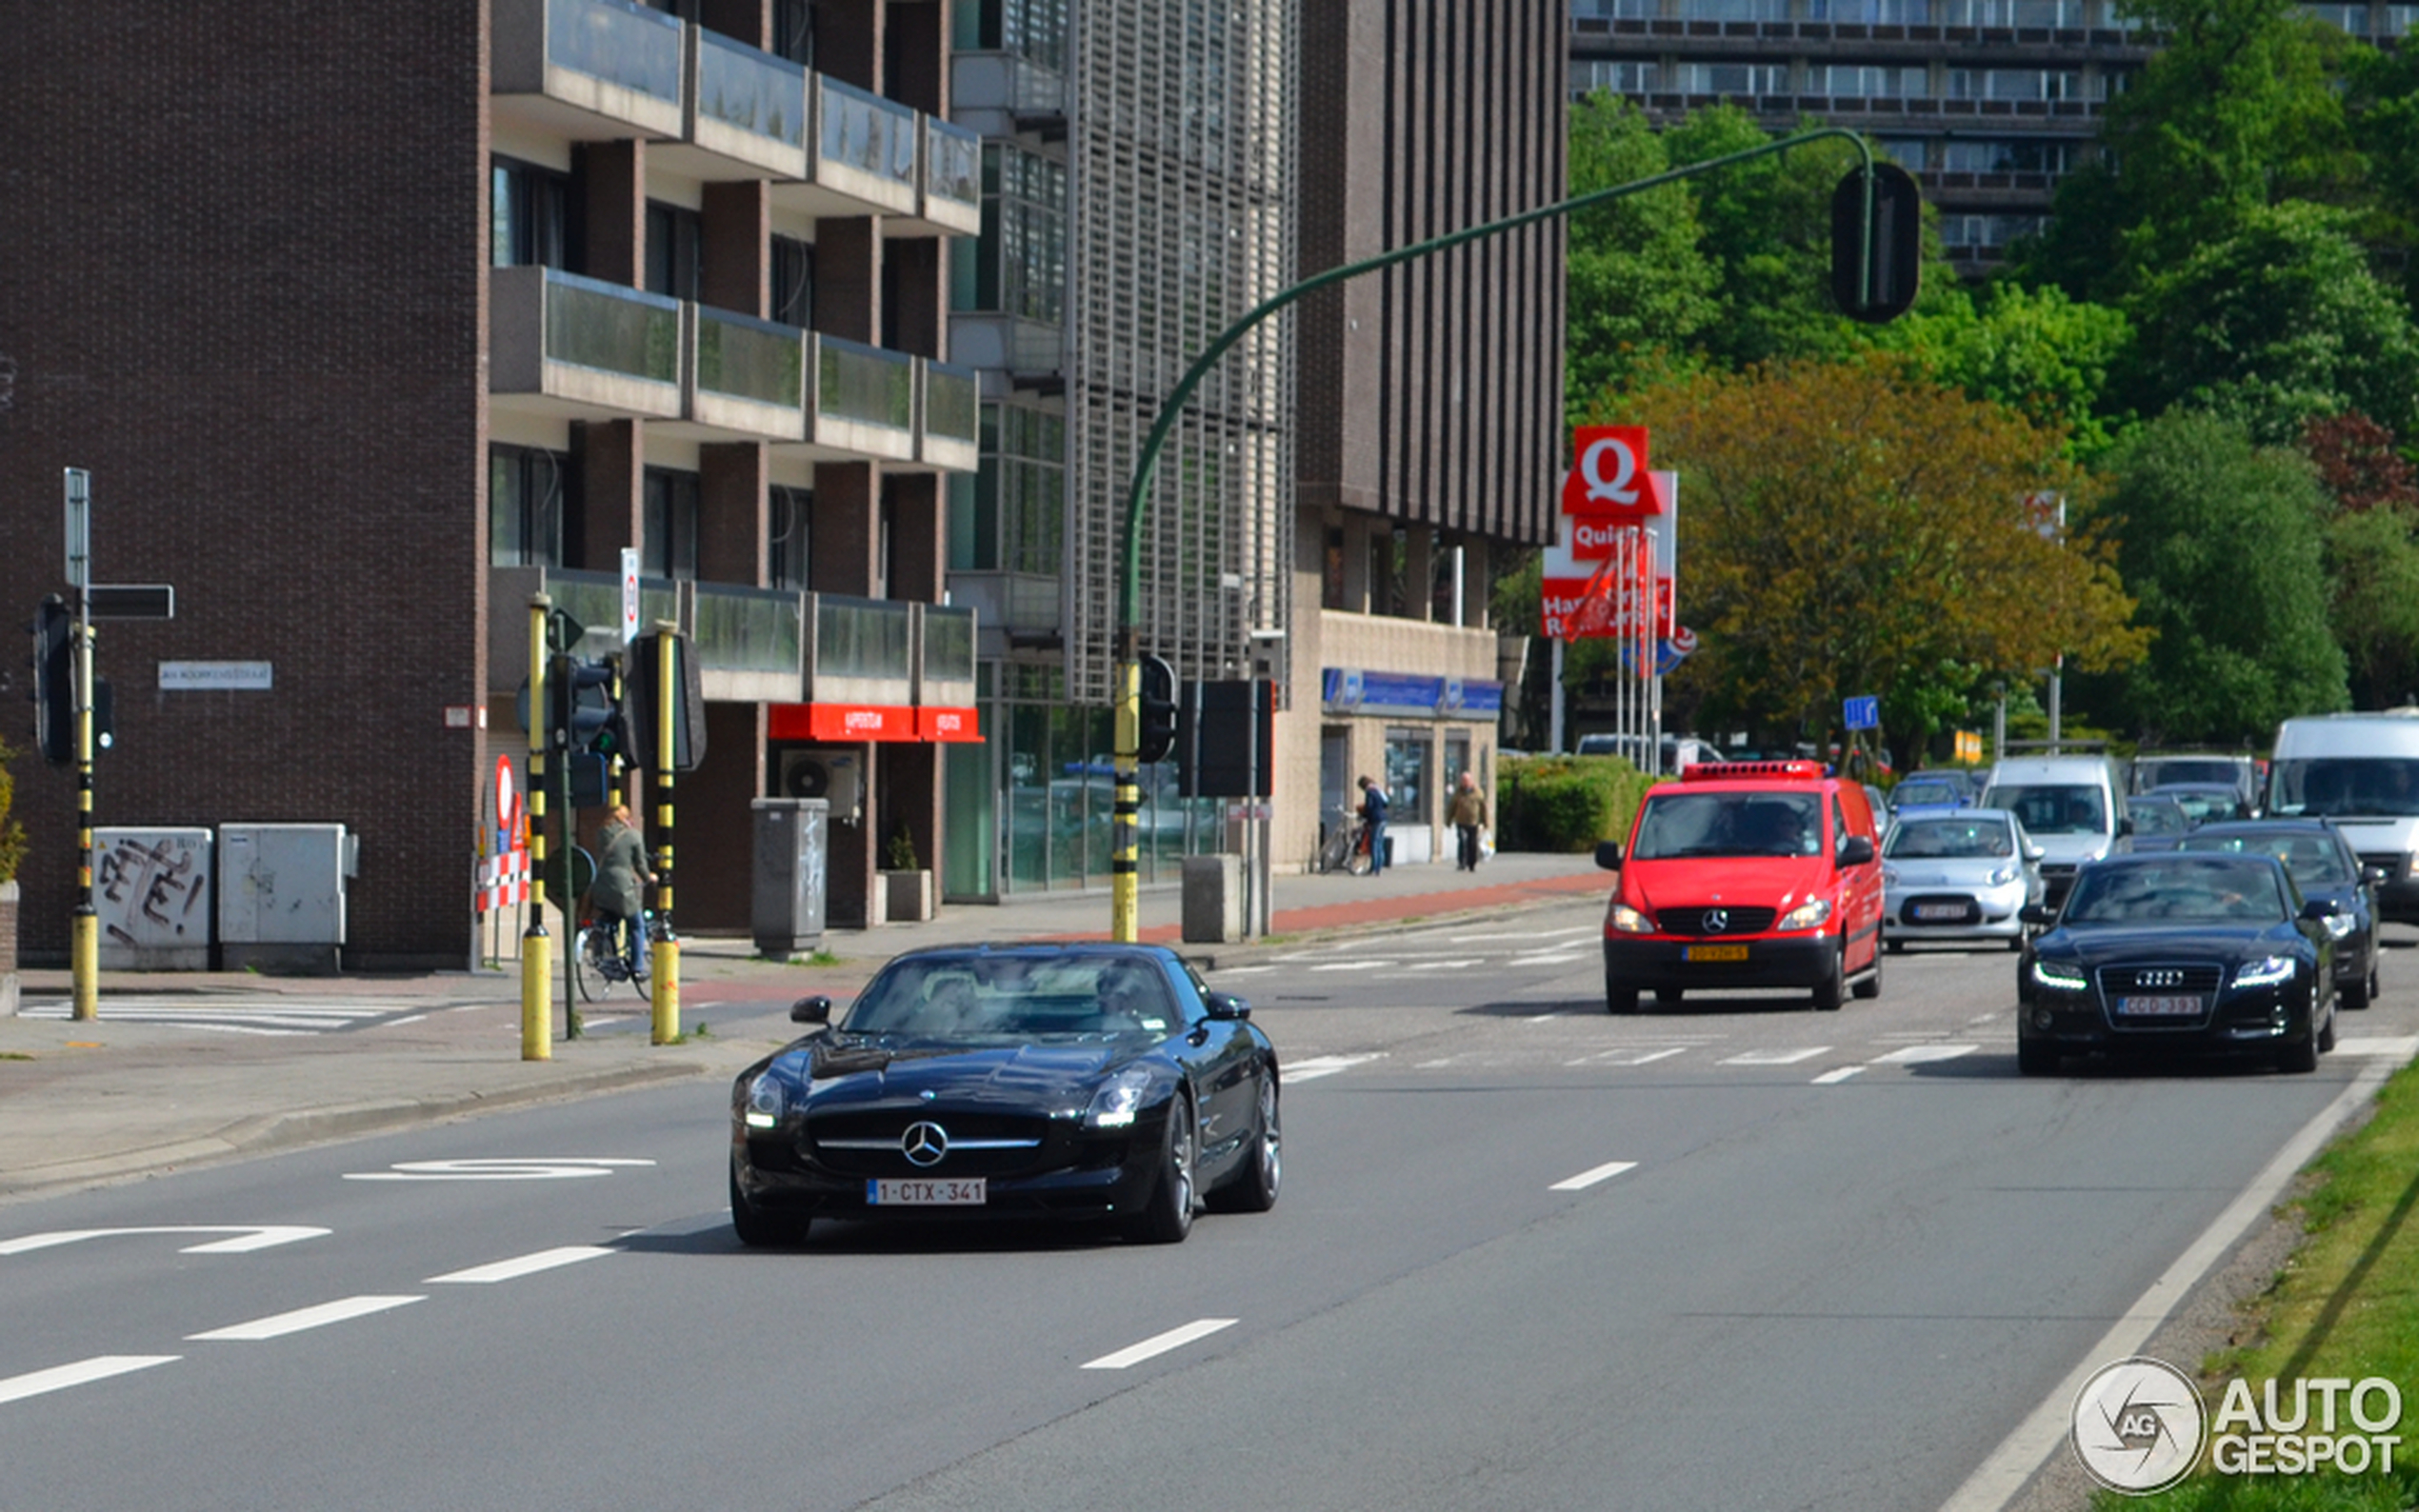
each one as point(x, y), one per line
point(1715, 953)
point(2159, 1007)
point(1940, 910)
point(968, 1193)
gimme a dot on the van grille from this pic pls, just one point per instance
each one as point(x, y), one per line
point(1734, 920)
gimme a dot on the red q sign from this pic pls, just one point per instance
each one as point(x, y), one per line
point(1607, 477)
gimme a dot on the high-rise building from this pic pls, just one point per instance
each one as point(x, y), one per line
point(373, 322)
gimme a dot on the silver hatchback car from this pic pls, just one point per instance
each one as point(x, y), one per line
point(1962, 875)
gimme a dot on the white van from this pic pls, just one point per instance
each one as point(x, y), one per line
point(2071, 807)
point(2361, 770)
point(1679, 751)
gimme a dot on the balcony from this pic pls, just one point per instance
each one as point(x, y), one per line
point(750, 642)
point(863, 652)
point(1004, 93)
point(749, 114)
point(1026, 350)
point(749, 379)
point(1014, 608)
point(948, 435)
point(588, 70)
point(950, 202)
point(860, 405)
point(575, 348)
point(863, 162)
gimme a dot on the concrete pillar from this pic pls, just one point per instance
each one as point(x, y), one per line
point(915, 296)
point(915, 59)
point(848, 278)
point(613, 188)
point(736, 246)
point(715, 822)
point(749, 21)
point(847, 41)
point(612, 458)
point(734, 516)
point(918, 513)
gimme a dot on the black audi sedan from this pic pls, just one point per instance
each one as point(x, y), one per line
point(1084, 1082)
point(2324, 866)
point(2171, 953)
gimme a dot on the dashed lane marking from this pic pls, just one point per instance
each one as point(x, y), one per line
point(520, 1266)
point(1592, 1175)
point(58, 1378)
point(1777, 1057)
point(1160, 1343)
point(278, 1325)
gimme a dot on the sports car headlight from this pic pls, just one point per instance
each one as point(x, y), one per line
point(2265, 973)
point(1628, 920)
point(2339, 924)
point(1119, 1099)
point(765, 1102)
point(1812, 914)
point(2058, 975)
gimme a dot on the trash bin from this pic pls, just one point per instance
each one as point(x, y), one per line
point(792, 875)
point(1213, 899)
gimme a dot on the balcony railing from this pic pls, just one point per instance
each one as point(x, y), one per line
point(749, 114)
point(951, 203)
point(598, 64)
point(863, 402)
point(603, 349)
point(750, 376)
point(950, 436)
point(948, 654)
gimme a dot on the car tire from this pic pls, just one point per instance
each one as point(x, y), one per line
point(758, 1230)
point(2356, 996)
point(1255, 1188)
point(2299, 1058)
point(1667, 997)
point(1832, 989)
point(1167, 1214)
point(2326, 1036)
point(2037, 1058)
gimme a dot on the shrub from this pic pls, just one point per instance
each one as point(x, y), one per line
point(11, 833)
point(1567, 802)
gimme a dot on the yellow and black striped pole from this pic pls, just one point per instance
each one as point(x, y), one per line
point(664, 955)
point(537, 955)
point(85, 941)
point(1125, 880)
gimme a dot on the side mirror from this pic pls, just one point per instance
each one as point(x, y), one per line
point(2033, 854)
point(816, 1009)
point(2040, 913)
point(1228, 1007)
point(1609, 854)
point(2318, 908)
point(1856, 851)
point(2125, 826)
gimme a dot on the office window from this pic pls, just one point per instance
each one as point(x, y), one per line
point(1733, 9)
point(1732, 78)
point(2016, 83)
point(1332, 576)
point(792, 282)
point(1873, 12)
point(675, 238)
point(793, 30)
point(1021, 492)
point(525, 507)
point(529, 215)
point(2014, 155)
point(1868, 81)
point(1913, 153)
point(1616, 10)
point(1620, 76)
point(1019, 261)
point(669, 512)
point(790, 550)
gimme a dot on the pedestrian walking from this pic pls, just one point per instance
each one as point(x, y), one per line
point(1373, 806)
point(618, 895)
point(1468, 814)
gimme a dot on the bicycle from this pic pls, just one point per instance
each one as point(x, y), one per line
point(597, 961)
point(1347, 846)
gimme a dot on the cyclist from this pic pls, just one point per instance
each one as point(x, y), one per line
point(617, 898)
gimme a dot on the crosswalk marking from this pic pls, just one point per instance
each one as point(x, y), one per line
point(1319, 1066)
point(234, 1015)
point(1777, 1057)
point(1920, 1054)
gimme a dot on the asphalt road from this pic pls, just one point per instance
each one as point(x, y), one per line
point(1529, 1256)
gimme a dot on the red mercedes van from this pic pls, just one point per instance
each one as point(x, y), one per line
point(1745, 874)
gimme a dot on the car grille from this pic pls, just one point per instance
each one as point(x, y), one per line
point(979, 1144)
point(2201, 978)
point(1733, 920)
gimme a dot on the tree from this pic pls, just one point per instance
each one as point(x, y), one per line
point(2275, 325)
point(1635, 280)
point(1850, 527)
point(2372, 560)
point(2357, 463)
point(2222, 547)
point(2036, 352)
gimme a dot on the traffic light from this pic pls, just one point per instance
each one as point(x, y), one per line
point(54, 682)
point(1883, 289)
point(642, 712)
point(1158, 727)
point(584, 726)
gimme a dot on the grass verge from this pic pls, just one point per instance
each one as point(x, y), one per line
point(2346, 1306)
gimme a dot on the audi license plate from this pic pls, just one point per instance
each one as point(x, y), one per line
point(1715, 953)
point(1954, 911)
point(967, 1193)
point(2159, 1007)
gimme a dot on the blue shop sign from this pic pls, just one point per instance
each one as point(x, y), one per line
point(1353, 691)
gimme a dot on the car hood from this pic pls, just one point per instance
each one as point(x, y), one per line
point(2123, 944)
point(870, 1069)
point(1950, 871)
point(1760, 881)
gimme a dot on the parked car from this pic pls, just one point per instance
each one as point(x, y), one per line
point(1083, 1082)
point(1748, 874)
point(2069, 804)
point(1958, 874)
point(2205, 802)
point(2174, 953)
point(2324, 866)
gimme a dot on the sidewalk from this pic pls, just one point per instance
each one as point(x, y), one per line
point(128, 1096)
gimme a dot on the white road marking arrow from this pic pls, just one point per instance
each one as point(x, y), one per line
point(249, 1237)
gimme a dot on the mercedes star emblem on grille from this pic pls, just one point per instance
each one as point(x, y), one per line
point(924, 1143)
point(1717, 920)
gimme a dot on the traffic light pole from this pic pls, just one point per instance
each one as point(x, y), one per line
point(85, 933)
point(664, 956)
point(1125, 890)
point(537, 956)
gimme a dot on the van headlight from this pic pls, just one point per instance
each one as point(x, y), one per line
point(1628, 920)
point(1812, 914)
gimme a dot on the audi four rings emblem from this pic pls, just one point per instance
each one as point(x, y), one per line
point(1717, 920)
point(924, 1143)
point(2158, 979)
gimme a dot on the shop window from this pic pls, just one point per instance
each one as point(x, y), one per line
point(1407, 774)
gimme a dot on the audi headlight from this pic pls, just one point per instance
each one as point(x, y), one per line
point(2339, 924)
point(765, 1102)
point(2265, 973)
point(2058, 975)
point(1628, 920)
point(1119, 1099)
point(1812, 914)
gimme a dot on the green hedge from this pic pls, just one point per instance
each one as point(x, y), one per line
point(1565, 803)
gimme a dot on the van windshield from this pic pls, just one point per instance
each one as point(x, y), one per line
point(2346, 787)
point(2062, 809)
point(1685, 824)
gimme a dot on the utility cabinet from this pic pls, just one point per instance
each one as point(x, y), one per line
point(281, 896)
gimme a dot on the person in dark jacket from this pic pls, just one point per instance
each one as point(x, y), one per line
point(1373, 805)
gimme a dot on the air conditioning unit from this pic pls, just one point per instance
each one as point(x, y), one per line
point(832, 775)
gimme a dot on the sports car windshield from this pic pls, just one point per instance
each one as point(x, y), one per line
point(1950, 839)
point(954, 997)
point(1701, 824)
point(2346, 788)
point(2312, 860)
point(2196, 889)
